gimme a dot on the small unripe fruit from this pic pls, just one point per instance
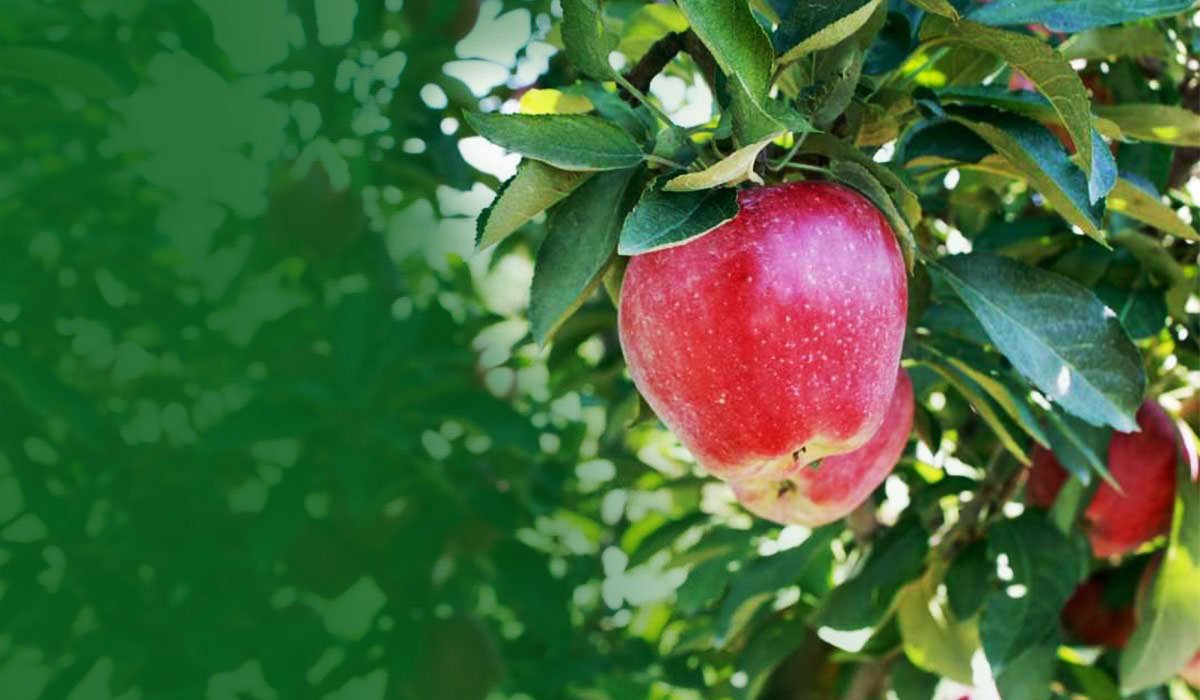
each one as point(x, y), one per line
point(773, 340)
point(1143, 463)
point(810, 496)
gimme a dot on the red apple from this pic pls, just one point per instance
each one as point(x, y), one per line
point(1093, 617)
point(1143, 463)
point(810, 496)
point(773, 340)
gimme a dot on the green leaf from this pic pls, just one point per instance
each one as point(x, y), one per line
point(664, 219)
point(939, 644)
point(757, 583)
point(970, 574)
point(535, 188)
point(1073, 15)
point(1004, 428)
point(938, 7)
point(986, 372)
point(580, 242)
point(1043, 568)
point(1168, 631)
point(566, 141)
point(704, 584)
point(764, 652)
point(861, 603)
point(838, 88)
point(1056, 333)
point(1114, 42)
point(586, 41)
point(737, 42)
point(1045, 68)
point(1029, 674)
point(1036, 155)
point(811, 25)
point(60, 69)
point(1154, 122)
point(910, 682)
point(1136, 203)
point(1103, 173)
point(1080, 448)
point(861, 179)
point(905, 200)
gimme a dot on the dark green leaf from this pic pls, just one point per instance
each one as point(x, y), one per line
point(1056, 333)
point(1029, 674)
point(587, 41)
point(756, 584)
point(737, 42)
point(581, 239)
point(1040, 571)
point(969, 578)
point(862, 602)
point(1079, 447)
point(566, 141)
point(1044, 67)
point(1035, 154)
point(664, 219)
point(910, 682)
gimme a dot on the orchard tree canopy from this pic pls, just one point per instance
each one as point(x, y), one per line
point(599, 349)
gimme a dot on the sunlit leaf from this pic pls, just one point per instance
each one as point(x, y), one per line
point(1168, 630)
point(1155, 122)
point(581, 241)
point(1045, 68)
point(535, 188)
point(806, 26)
point(1056, 333)
point(566, 141)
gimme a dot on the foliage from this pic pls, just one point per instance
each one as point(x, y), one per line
point(274, 428)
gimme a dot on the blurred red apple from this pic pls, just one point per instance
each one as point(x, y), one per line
point(773, 340)
point(1143, 463)
point(810, 496)
point(1191, 674)
point(1097, 614)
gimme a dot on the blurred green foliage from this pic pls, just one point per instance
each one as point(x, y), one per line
point(271, 431)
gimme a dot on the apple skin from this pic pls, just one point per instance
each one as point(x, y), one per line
point(1143, 463)
point(773, 340)
point(1093, 619)
point(811, 497)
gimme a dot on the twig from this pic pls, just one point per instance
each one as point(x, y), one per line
point(999, 484)
point(650, 64)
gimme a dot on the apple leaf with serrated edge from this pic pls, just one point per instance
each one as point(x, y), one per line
point(1056, 333)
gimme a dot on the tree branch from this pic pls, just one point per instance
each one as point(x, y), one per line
point(652, 63)
point(999, 484)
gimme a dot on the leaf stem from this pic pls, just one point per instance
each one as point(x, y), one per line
point(641, 97)
point(659, 160)
point(787, 157)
